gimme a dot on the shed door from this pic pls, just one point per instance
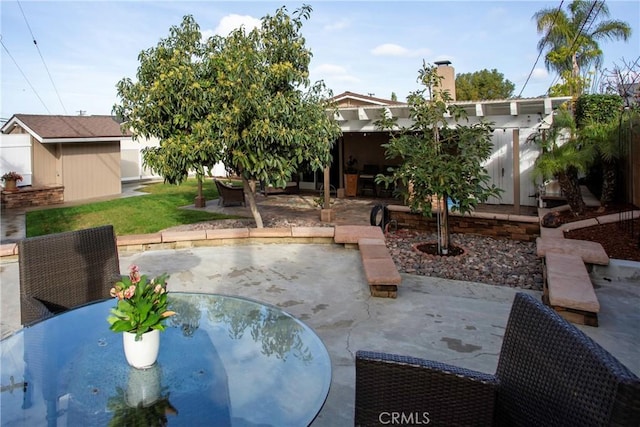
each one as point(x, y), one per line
point(500, 166)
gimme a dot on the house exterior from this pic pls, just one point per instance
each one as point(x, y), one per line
point(79, 153)
point(510, 164)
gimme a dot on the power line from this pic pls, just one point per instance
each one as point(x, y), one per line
point(23, 75)
point(41, 57)
point(546, 37)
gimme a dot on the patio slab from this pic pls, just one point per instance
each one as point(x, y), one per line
point(324, 285)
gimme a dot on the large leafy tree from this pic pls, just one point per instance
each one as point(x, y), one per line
point(171, 101)
point(269, 120)
point(570, 39)
point(244, 99)
point(439, 160)
point(483, 84)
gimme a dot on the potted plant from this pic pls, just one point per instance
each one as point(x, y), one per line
point(139, 315)
point(10, 179)
point(351, 177)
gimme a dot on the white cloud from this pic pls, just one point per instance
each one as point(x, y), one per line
point(231, 22)
point(539, 74)
point(338, 25)
point(391, 49)
point(335, 73)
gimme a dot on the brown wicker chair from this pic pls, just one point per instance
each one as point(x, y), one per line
point(549, 374)
point(229, 195)
point(64, 270)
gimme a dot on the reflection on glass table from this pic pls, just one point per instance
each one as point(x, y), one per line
point(223, 361)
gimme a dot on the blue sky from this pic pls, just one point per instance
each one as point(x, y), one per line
point(369, 47)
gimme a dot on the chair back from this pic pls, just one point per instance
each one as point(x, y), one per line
point(552, 374)
point(229, 194)
point(64, 270)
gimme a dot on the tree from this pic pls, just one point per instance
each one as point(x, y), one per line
point(571, 40)
point(244, 99)
point(266, 117)
point(439, 161)
point(170, 101)
point(563, 158)
point(394, 97)
point(483, 84)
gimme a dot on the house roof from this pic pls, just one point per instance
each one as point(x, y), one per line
point(347, 99)
point(58, 128)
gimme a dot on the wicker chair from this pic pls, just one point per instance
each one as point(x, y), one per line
point(549, 374)
point(64, 270)
point(229, 195)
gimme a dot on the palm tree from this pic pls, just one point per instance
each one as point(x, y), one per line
point(563, 158)
point(571, 40)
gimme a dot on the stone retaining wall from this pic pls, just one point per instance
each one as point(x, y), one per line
point(26, 197)
point(516, 227)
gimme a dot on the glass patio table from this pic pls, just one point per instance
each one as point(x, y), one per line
point(223, 361)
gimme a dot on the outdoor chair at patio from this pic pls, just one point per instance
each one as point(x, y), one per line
point(229, 195)
point(64, 270)
point(549, 374)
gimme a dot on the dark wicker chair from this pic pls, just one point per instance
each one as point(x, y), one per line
point(229, 195)
point(65, 270)
point(549, 374)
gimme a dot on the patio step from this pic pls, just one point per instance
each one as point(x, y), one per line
point(379, 269)
point(589, 252)
point(568, 288)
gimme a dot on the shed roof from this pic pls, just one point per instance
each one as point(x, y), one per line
point(59, 128)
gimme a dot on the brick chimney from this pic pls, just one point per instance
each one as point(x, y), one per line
point(448, 74)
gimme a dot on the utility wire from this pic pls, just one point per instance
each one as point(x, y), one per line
point(23, 75)
point(41, 57)
point(540, 53)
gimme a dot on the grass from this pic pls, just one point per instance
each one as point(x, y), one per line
point(158, 210)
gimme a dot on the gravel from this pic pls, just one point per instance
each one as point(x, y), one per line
point(500, 262)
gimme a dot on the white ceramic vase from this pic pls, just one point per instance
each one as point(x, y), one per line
point(141, 354)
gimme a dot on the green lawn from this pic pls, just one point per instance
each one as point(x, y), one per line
point(132, 215)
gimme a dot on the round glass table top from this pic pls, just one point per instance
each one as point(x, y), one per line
point(223, 361)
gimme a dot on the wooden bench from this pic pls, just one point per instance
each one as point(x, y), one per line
point(568, 288)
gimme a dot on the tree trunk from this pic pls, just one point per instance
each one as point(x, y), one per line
point(250, 196)
point(568, 181)
point(443, 226)
point(200, 201)
point(608, 183)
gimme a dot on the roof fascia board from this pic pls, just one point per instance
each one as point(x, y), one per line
point(100, 139)
point(16, 121)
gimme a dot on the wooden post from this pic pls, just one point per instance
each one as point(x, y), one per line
point(516, 171)
point(326, 213)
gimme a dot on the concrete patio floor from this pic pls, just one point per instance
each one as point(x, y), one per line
point(461, 323)
point(324, 285)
